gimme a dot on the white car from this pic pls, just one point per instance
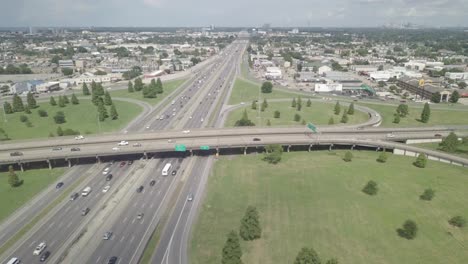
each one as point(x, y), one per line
point(39, 248)
point(115, 149)
point(390, 135)
point(186, 131)
point(79, 137)
point(123, 143)
point(106, 170)
point(105, 189)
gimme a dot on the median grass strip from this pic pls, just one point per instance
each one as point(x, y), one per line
point(245, 91)
point(38, 217)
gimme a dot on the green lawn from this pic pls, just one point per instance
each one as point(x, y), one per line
point(168, 87)
point(461, 151)
point(34, 182)
point(82, 117)
point(438, 116)
point(245, 91)
point(315, 200)
point(319, 113)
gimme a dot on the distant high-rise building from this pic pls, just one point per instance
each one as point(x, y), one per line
point(212, 27)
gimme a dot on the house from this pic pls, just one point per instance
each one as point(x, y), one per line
point(25, 87)
point(324, 69)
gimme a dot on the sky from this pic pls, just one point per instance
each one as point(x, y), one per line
point(235, 13)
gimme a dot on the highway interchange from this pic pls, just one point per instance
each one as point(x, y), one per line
point(75, 238)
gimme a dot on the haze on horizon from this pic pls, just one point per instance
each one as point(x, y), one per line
point(165, 13)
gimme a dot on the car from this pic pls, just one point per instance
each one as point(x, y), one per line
point(152, 183)
point(438, 135)
point(201, 120)
point(174, 172)
point(190, 197)
point(112, 260)
point(59, 185)
point(39, 248)
point(105, 189)
point(109, 177)
point(140, 189)
point(186, 131)
point(79, 137)
point(140, 216)
point(137, 145)
point(130, 162)
point(169, 141)
point(44, 256)
point(122, 143)
point(75, 149)
point(85, 211)
point(74, 196)
point(106, 170)
point(122, 164)
point(107, 235)
point(256, 139)
point(56, 148)
point(115, 149)
point(16, 153)
point(390, 135)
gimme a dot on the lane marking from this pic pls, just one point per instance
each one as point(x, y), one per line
point(125, 219)
point(97, 260)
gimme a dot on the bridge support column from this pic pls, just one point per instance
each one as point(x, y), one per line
point(49, 163)
point(330, 148)
point(69, 163)
point(145, 155)
point(191, 153)
point(378, 148)
point(245, 150)
point(289, 146)
point(310, 147)
point(352, 147)
point(21, 167)
point(98, 159)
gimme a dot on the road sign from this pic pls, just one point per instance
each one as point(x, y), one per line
point(180, 147)
point(205, 147)
point(312, 127)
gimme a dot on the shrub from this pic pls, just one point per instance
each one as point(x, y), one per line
point(427, 195)
point(370, 188)
point(421, 161)
point(382, 157)
point(457, 221)
point(348, 156)
point(42, 113)
point(409, 230)
point(23, 118)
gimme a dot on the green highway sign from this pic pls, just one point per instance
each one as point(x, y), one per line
point(205, 147)
point(312, 127)
point(180, 147)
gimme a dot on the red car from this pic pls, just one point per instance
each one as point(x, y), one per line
point(122, 163)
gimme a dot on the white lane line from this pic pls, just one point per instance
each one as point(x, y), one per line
point(67, 209)
point(69, 224)
point(60, 225)
point(142, 221)
point(143, 205)
point(151, 205)
point(52, 244)
point(50, 225)
point(159, 192)
point(135, 204)
point(122, 239)
point(133, 221)
point(97, 260)
point(34, 242)
point(125, 219)
point(131, 240)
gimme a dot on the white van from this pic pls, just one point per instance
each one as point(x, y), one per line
point(14, 261)
point(86, 191)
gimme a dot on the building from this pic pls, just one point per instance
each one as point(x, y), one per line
point(363, 68)
point(273, 73)
point(416, 65)
point(456, 75)
point(426, 90)
point(25, 87)
point(324, 69)
point(328, 87)
point(381, 75)
point(48, 87)
point(153, 74)
point(66, 64)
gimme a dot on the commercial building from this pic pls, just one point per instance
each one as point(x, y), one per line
point(456, 75)
point(48, 87)
point(25, 87)
point(426, 89)
point(66, 64)
point(324, 69)
point(328, 87)
point(273, 73)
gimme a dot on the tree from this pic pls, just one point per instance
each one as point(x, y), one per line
point(107, 98)
point(113, 112)
point(273, 154)
point(232, 252)
point(265, 103)
point(309, 103)
point(254, 105)
point(17, 104)
point(337, 108)
point(370, 188)
point(402, 110)
point(426, 113)
point(457, 221)
point(31, 101)
point(244, 121)
point(67, 71)
point(427, 195)
point(23, 118)
point(450, 143)
point(13, 179)
point(381, 83)
point(396, 119)
point(65, 99)
point(59, 117)
point(95, 99)
point(159, 86)
point(138, 85)
point(61, 101)
point(380, 68)
point(307, 256)
point(297, 117)
point(7, 108)
point(409, 230)
point(276, 114)
point(250, 225)
point(130, 87)
point(332, 261)
point(454, 97)
point(382, 157)
point(435, 98)
point(102, 111)
point(267, 87)
point(27, 110)
point(462, 85)
point(344, 118)
point(331, 121)
point(293, 103)
point(348, 156)
point(42, 113)
point(59, 131)
point(74, 100)
point(351, 109)
point(421, 161)
point(85, 89)
point(99, 90)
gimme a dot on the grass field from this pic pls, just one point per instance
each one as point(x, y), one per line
point(319, 114)
point(34, 182)
point(315, 200)
point(82, 117)
point(461, 151)
point(438, 116)
point(168, 87)
point(245, 91)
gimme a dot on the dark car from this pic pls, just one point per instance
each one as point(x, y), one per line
point(59, 185)
point(109, 177)
point(122, 163)
point(74, 196)
point(75, 149)
point(130, 162)
point(174, 172)
point(85, 211)
point(152, 183)
point(57, 148)
point(437, 135)
point(140, 189)
point(44, 256)
point(16, 153)
point(112, 260)
point(256, 139)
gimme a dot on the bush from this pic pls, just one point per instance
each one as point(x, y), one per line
point(42, 113)
point(59, 118)
point(382, 157)
point(277, 114)
point(370, 188)
point(297, 117)
point(421, 161)
point(427, 195)
point(70, 132)
point(23, 118)
point(348, 156)
point(457, 221)
point(409, 230)
point(267, 87)
point(29, 124)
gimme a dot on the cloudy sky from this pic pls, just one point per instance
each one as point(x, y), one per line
point(355, 13)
